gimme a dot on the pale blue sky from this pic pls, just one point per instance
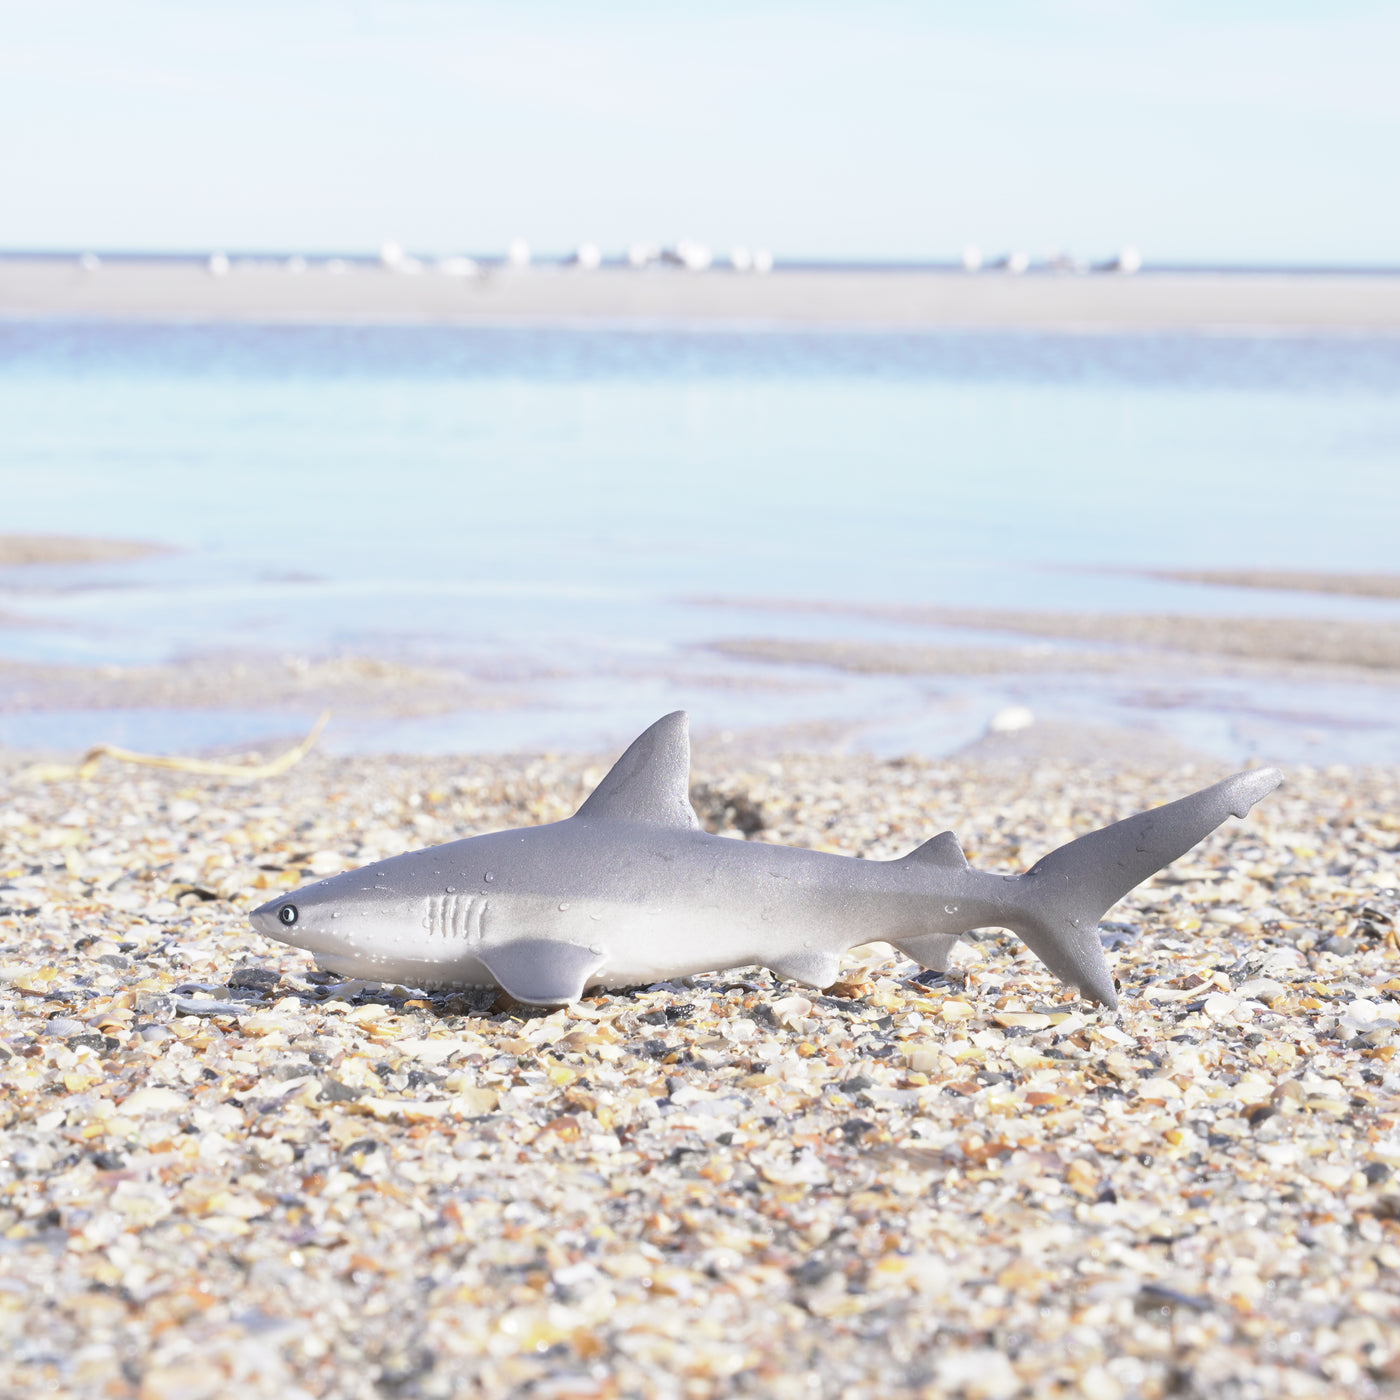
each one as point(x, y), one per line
point(1209, 132)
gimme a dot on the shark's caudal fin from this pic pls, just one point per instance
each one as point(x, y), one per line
point(1061, 899)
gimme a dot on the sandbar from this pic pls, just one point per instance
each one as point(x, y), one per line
point(22, 550)
point(1368, 646)
point(1287, 580)
point(263, 291)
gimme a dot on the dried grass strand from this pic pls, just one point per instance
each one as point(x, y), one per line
point(238, 768)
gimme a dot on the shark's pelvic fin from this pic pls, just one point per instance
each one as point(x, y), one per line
point(943, 850)
point(1064, 895)
point(812, 967)
point(650, 782)
point(542, 971)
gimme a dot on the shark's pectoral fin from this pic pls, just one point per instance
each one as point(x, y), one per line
point(811, 967)
point(542, 971)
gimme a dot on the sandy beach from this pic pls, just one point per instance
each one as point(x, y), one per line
point(267, 291)
point(226, 1175)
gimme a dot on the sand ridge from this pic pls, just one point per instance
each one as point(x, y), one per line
point(21, 551)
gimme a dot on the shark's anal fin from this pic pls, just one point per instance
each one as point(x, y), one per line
point(931, 950)
point(650, 782)
point(811, 967)
point(542, 971)
point(943, 850)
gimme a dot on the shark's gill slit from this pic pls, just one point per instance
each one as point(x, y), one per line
point(476, 914)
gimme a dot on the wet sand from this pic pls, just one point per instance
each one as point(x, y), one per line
point(268, 292)
point(1164, 672)
point(253, 681)
point(1372, 646)
point(18, 551)
point(1287, 580)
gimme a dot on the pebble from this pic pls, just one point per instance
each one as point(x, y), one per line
point(225, 1174)
point(1261, 989)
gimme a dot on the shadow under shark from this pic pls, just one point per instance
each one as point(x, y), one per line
point(630, 890)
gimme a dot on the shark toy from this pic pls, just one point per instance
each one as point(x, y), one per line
point(630, 890)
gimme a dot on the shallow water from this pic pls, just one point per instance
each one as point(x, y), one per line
point(543, 506)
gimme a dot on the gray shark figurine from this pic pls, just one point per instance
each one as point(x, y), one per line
point(630, 890)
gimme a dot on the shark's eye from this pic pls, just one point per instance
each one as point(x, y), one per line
point(288, 914)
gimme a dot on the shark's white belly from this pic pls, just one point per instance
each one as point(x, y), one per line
point(638, 942)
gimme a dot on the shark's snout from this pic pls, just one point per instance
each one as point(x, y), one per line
point(280, 919)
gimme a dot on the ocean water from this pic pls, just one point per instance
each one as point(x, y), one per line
point(572, 515)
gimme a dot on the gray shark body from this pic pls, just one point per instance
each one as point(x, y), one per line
point(630, 890)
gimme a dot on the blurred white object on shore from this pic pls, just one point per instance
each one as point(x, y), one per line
point(218, 264)
point(457, 266)
point(587, 256)
point(1011, 720)
point(693, 256)
point(518, 253)
point(391, 254)
point(740, 259)
point(971, 257)
point(1129, 260)
point(762, 260)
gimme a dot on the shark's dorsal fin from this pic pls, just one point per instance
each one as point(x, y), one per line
point(942, 850)
point(650, 782)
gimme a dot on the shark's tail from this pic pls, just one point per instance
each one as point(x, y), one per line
point(1072, 888)
point(1058, 903)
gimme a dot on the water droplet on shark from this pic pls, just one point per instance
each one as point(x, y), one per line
point(563, 906)
point(488, 876)
point(452, 889)
point(950, 908)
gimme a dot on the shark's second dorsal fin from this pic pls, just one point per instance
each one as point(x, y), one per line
point(942, 850)
point(650, 782)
